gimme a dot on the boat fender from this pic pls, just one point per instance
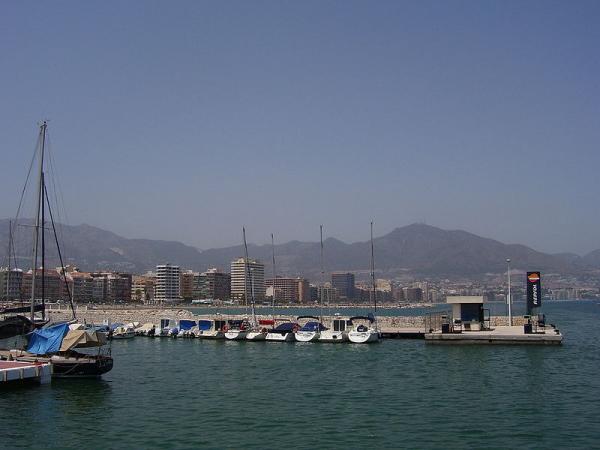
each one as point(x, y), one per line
point(225, 328)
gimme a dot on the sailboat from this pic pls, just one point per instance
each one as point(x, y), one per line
point(364, 328)
point(56, 344)
point(338, 331)
point(285, 330)
point(238, 329)
point(256, 332)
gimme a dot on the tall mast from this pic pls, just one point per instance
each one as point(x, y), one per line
point(322, 274)
point(509, 297)
point(8, 274)
point(43, 245)
point(249, 276)
point(373, 287)
point(274, 277)
point(36, 228)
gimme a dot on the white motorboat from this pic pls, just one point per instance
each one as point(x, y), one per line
point(211, 329)
point(163, 329)
point(145, 330)
point(186, 328)
point(237, 330)
point(283, 333)
point(337, 333)
point(310, 331)
point(123, 332)
point(257, 335)
point(363, 330)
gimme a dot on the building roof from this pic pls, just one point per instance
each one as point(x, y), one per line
point(458, 299)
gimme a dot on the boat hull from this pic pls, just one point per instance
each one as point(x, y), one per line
point(85, 367)
point(211, 335)
point(127, 335)
point(278, 337)
point(329, 336)
point(236, 335)
point(363, 337)
point(256, 336)
point(307, 336)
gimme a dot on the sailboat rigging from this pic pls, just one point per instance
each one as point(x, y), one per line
point(337, 332)
point(364, 328)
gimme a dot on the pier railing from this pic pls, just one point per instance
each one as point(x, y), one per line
point(433, 321)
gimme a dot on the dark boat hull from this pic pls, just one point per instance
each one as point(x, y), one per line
point(81, 367)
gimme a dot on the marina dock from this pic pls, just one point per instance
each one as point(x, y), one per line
point(14, 372)
point(499, 335)
point(402, 333)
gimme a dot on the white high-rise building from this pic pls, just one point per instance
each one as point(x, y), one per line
point(167, 285)
point(241, 283)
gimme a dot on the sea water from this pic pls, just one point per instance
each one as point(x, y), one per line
point(179, 393)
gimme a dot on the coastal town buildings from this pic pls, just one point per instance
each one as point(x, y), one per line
point(81, 285)
point(52, 287)
point(413, 294)
point(288, 289)
point(11, 281)
point(142, 289)
point(242, 283)
point(167, 287)
point(345, 284)
point(325, 293)
point(111, 287)
point(214, 284)
point(186, 285)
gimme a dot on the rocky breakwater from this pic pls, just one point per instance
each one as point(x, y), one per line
point(154, 315)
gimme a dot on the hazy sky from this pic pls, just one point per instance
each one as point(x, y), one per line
point(184, 120)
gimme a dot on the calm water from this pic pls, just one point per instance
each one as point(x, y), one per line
point(166, 393)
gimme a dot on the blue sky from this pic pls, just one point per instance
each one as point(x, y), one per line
point(184, 120)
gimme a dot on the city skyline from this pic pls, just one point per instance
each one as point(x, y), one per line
point(282, 117)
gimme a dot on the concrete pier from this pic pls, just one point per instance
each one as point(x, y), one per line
point(13, 372)
point(504, 335)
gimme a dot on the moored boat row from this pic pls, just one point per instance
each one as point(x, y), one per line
point(357, 329)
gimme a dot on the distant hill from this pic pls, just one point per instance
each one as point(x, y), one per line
point(592, 259)
point(418, 249)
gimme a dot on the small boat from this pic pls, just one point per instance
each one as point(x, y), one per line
point(310, 331)
point(120, 331)
point(163, 329)
point(283, 332)
point(363, 330)
point(257, 335)
point(58, 345)
point(335, 334)
point(211, 329)
point(14, 330)
point(237, 330)
point(145, 330)
point(186, 328)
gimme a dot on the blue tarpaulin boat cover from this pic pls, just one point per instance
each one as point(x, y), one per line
point(47, 340)
point(286, 327)
point(186, 324)
point(204, 325)
point(313, 326)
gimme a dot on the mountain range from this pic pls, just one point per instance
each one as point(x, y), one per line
point(417, 249)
